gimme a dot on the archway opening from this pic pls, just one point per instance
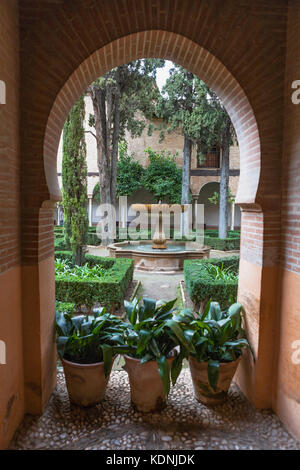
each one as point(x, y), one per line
point(165, 45)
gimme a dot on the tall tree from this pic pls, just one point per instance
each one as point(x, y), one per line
point(187, 103)
point(74, 181)
point(122, 100)
point(216, 130)
point(176, 106)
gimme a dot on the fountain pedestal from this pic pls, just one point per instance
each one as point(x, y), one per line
point(159, 238)
point(158, 255)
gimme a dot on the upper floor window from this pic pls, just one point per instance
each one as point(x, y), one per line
point(210, 160)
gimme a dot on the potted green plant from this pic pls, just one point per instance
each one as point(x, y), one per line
point(156, 347)
point(216, 341)
point(87, 346)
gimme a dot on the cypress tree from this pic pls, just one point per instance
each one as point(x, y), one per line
point(74, 181)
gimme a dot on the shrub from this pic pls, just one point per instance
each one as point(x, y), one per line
point(232, 242)
point(92, 238)
point(202, 285)
point(59, 243)
point(65, 307)
point(109, 290)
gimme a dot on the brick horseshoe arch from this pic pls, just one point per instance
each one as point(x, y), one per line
point(260, 211)
point(166, 45)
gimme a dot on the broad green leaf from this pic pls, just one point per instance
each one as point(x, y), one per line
point(234, 312)
point(61, 343)
point(176, 368)
point(178, 331)
point(205, 311)
point(214, 311)
point(164, 371)
point(213, 373)
point(149, 308)
point(144, 338)
point(107, 358)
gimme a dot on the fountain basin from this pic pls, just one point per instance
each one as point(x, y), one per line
point(147, 258)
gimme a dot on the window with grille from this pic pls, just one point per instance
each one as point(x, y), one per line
point(211, 159)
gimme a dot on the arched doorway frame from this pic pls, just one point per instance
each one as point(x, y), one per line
point(175, 47)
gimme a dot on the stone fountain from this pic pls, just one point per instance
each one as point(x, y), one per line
point(159, 254)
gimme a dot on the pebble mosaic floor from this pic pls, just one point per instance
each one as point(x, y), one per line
point(183, 424)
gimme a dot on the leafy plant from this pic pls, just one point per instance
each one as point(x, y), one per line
point(215, 336)
point(215, 198)
point(64, 269)
point(220, 272)
point(163, 176)
point(153, 334)
point(88, 339)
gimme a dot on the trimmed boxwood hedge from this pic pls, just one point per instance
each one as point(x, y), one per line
point(231, 243)
point(109, 291)
point(202, 288)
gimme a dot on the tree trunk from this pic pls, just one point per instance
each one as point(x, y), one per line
point(115, 141)
point(103, 152)
point(79, 256)
point(224, 182)
point(186, 169)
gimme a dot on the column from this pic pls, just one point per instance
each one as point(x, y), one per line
point(90, 210)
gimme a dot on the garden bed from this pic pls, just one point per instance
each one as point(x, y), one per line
point(107, 289)
point(232, 242)
point(203, 285)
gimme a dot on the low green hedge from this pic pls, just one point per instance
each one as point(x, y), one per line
point(92, 238)
point(232, 242)
point(109, 291)
point(59, 243)
point(202, 288)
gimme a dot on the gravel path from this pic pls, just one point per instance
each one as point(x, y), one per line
point(183, 424)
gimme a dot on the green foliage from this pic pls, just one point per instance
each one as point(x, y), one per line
point(88, 339)
point(134, 83)
point(65, 307)
point(187, 103)
point(65, 270)
point(152, 335)
point(215, 198)
point(215, 336)
point(163, 176)
point(59, 242)
point(109, 290)
point(93, 239)
point(74, 181)
point(130, 173)
point(202, 285)
point(224, 244)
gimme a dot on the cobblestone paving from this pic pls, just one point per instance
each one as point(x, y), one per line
point(183, 424)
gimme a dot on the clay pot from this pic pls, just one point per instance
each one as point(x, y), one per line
point(86, 383)
point(146, 387)
point(203, 391)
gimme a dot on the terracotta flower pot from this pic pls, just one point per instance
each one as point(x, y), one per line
point(146, 387)
point(203, 391)
point(86, 383)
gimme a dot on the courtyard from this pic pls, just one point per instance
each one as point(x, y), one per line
point(111, 113)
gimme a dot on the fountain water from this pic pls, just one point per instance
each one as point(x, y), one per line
point(158, 254)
